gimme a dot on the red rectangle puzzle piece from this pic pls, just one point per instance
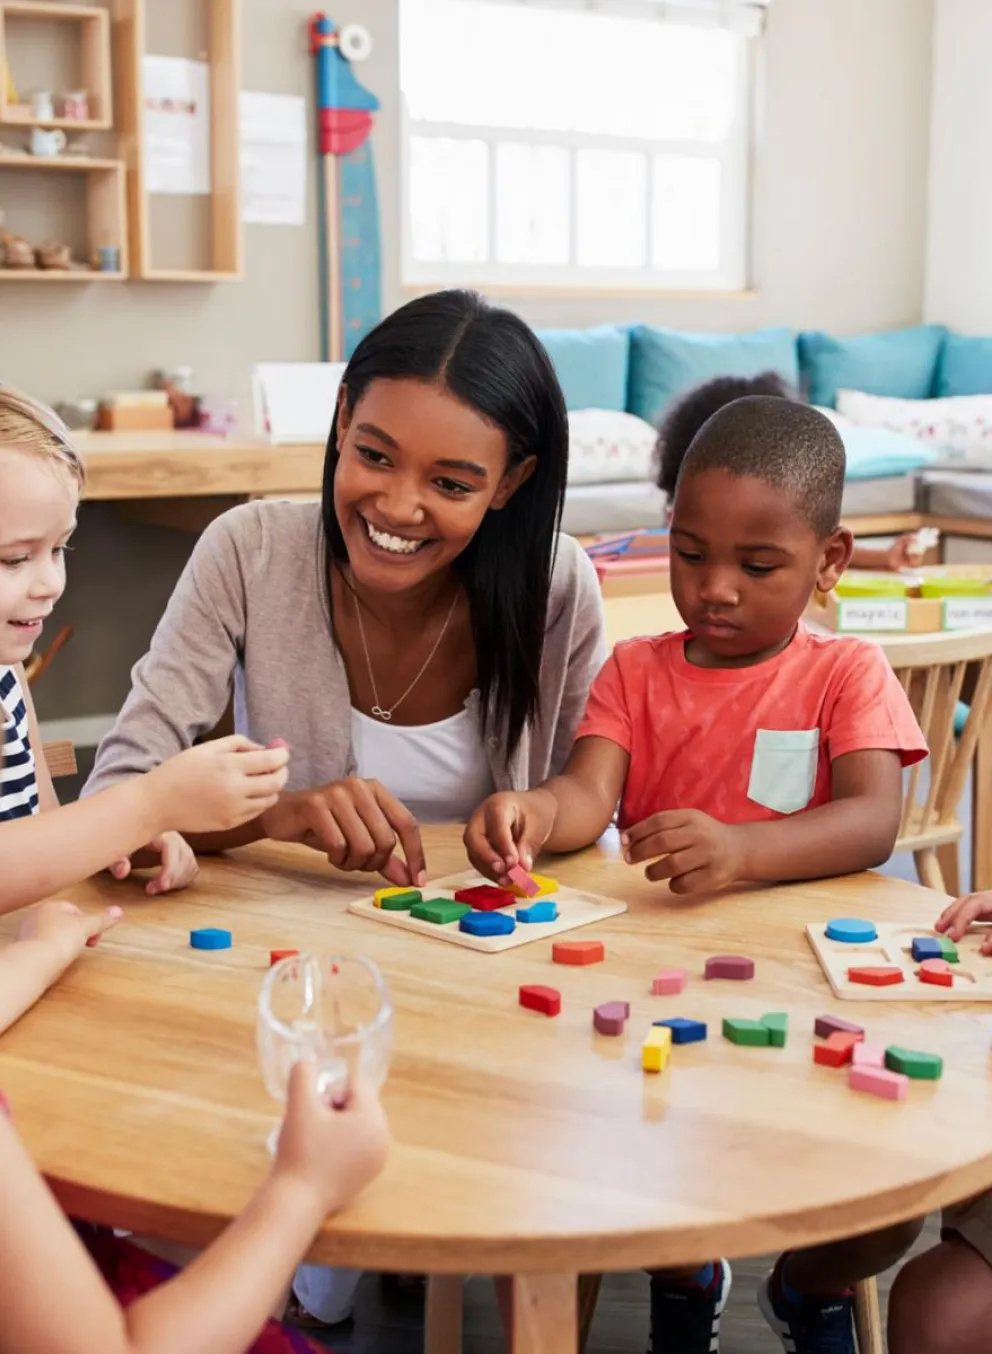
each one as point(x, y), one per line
point(485, 897)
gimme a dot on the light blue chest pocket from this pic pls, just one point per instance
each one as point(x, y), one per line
point(783, 768)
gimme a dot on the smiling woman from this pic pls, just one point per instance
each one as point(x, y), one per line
point(423, 636)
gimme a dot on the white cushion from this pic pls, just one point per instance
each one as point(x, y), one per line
point(609, 447)
point(959, 423)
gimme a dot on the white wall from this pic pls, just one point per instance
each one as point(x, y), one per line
point(959, 248)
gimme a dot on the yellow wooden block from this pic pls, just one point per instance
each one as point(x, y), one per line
point(656, 1048)
point(545, 885)
point(388, 893)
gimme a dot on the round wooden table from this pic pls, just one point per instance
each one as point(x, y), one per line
point(525, 1146)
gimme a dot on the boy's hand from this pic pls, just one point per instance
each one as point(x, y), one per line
point(217, 785)
point(905, 553)
point(172, 858)
point(333, 1153)
point(509, 829)
point(699, 853)
point(66, 929)
point(956, 918)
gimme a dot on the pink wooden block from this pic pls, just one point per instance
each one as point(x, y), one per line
point(668, 982)
point(868, 1055)
point(516, 874)
point(729, 966)
point(877, 1081)
point(611, 1017)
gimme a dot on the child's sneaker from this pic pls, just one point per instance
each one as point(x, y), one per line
point(805, 1324)
point(685, 1317)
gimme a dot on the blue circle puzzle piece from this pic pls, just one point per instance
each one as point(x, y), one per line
point(851, 930)
point(487, 924)
point(210, 938)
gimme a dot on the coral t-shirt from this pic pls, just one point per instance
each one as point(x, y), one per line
point(745, 744)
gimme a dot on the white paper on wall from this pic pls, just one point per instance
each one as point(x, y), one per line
point(176, 98)
point(273, 159)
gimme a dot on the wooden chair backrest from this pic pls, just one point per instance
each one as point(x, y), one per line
point(932, 670)
point(60, 757)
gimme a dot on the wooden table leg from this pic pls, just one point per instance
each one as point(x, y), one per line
point(443, 1314)
point(981, 812)
point(544, 1314)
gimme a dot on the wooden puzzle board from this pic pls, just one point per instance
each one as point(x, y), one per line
point(574, 909)
point(972, 975)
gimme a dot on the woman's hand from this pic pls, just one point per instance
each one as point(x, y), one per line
point(357, 824)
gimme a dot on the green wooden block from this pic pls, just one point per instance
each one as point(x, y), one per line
point(777, 1025)
point(749, 1032)
point(918, 1066)
point(948, 950)
point(441, 911)
point(401, 902)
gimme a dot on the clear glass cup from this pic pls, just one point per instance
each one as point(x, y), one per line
point(334, 1009)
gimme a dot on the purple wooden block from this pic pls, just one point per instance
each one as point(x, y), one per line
point(729, 966)
point(611, 1017)
point(826, 1025)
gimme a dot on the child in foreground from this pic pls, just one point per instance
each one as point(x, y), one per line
point(218, 785)
point(744, 748)
point(114, 1297)
point(688, 414)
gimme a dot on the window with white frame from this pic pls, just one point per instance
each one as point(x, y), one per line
point(563, 143)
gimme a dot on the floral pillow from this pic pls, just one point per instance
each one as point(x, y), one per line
point(961, 424)
point(608, 447)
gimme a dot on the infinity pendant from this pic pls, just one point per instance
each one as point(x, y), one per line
point(380, 713)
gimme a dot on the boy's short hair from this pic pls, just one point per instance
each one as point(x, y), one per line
point(688, 414)
point(30, 427)
point(789, 445)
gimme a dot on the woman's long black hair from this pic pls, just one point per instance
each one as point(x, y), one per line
point(489, 360)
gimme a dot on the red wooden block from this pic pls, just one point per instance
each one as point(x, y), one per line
point(938, 972)
point(485, 897)
point(578, 951)
point(611, 1017)
point(276, 955)
point(838, 1050)
point(729, 966)
point(535, 997)
point(875, 977)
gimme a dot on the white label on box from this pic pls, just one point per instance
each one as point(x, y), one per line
point(968, 613)
point(872, 613)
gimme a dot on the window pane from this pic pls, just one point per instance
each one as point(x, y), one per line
point(611, 208)
point(685, 213)
point(532, 203)
point(562, 70)
point(449, 200)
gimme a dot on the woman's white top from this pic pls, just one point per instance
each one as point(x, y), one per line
point(440, 771)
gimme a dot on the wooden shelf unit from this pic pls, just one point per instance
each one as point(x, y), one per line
point(95, 73)
point(226, 235)
point(106, 213)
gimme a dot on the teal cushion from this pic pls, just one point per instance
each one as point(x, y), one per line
point(665, 363)
point(876, 453)
point(902, 363)
point(591, 365)
point(965, 366)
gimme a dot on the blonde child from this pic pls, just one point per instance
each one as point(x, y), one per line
point(212, 787)
point(745, 748)
point(114, 1297)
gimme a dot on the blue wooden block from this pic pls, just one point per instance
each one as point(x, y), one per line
point(210, 938)
point(487, 924)
point(545, 910)
point(927, 947)
point(851, 930)
point(684, 1031)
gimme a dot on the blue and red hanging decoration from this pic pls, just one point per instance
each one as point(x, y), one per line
point(348, 212)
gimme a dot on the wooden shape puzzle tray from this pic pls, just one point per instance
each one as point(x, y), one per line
point(574, 909)
point(972, 974)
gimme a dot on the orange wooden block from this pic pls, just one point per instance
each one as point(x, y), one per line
point(875, 977)
point(276, 955)
point(838, 1050)
point(936, 971)
point(578, 951)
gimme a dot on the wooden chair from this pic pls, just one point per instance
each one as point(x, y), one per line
point(932, 670)
point(60, 758)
